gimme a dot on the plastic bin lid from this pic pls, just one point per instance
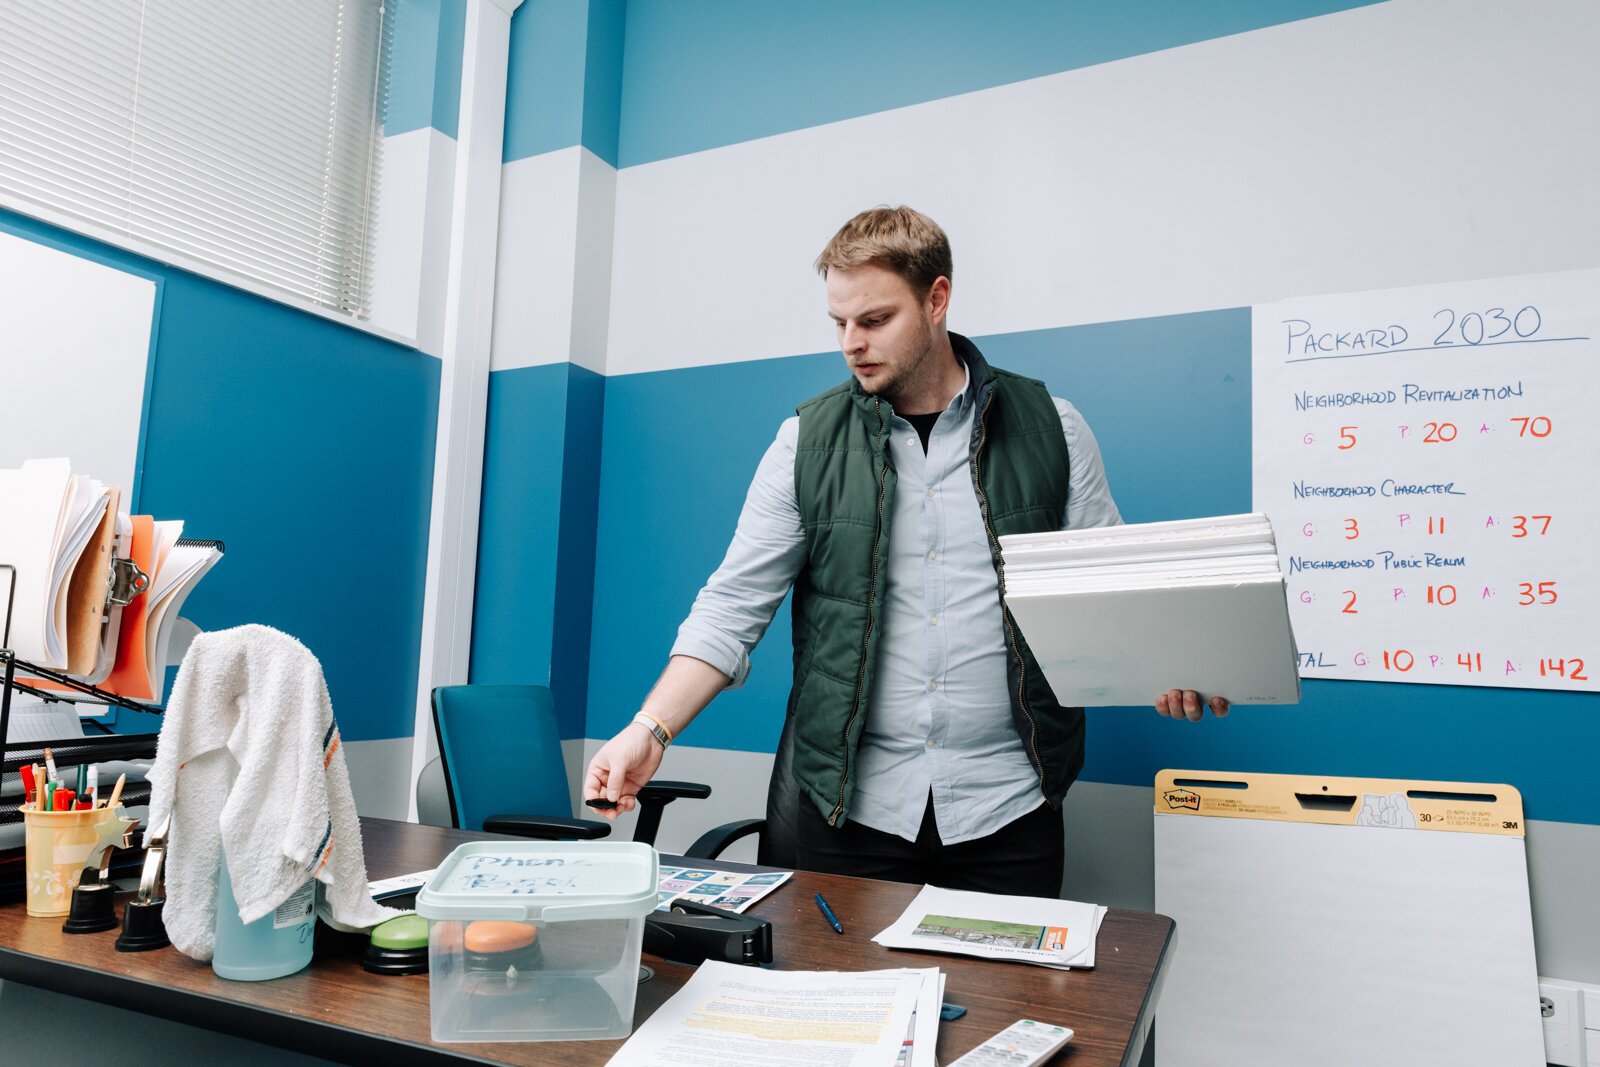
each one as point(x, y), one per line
point(543, 881)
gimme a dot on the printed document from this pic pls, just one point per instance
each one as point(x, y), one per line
point(1037, 930)
point(732, 1016)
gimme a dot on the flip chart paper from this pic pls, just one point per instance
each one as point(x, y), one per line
point(1424, 454)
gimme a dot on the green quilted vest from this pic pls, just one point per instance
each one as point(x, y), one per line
point(844, 482)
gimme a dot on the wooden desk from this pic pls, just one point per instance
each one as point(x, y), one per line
point(338, 1011)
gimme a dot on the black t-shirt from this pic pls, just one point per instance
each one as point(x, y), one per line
point(924, 426)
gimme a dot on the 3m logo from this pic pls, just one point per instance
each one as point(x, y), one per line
point(1182, 798)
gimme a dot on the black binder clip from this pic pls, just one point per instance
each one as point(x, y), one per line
point(142, 926)
point(693, 933)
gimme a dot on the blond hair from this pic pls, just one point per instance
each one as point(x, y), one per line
point(899, 238)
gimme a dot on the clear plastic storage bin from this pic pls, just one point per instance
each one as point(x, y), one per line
point(537, 940)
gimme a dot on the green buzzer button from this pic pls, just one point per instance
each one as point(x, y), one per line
point(398, 946)
point(402, 932)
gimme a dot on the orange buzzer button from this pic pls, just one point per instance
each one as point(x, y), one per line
point(489, 936)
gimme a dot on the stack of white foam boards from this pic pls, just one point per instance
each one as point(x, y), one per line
point(1118, 614)
point(1328, 922)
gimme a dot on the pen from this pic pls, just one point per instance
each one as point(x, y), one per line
point(94, 785)
point(827, 913)
point(50, 764)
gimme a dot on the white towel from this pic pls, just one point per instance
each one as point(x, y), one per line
point(249, 765)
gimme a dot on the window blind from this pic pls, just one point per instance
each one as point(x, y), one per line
point(240, 135)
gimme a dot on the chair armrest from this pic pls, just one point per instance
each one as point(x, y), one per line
point(547, 827)
point(657, 795)
point(714, 842)
point(670, 791)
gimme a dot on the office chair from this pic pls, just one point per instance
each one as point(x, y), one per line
point(775, 846)
point(500, 751)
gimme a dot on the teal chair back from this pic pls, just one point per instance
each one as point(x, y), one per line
point(501, 752)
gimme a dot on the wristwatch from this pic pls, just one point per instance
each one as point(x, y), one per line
point(658, 731)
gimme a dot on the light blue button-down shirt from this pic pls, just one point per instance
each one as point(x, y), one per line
point(939, 716)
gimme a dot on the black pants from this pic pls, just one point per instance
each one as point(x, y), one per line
point(1023, 858)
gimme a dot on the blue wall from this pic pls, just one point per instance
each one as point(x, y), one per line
point(305, 446)
point(536, 534)
point(700, 74)
point(1169, 401)
point(1168, 396)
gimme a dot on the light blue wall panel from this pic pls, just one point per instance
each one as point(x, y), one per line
point(705, 73)
point(307, 447)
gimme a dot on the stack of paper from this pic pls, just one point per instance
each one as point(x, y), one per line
point(150, 621)
point(727, 1014)
point(47, 517)
point(1037, 930)
point(61, 532)
point(1117, 614)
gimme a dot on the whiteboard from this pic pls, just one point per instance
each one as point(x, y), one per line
point(73, 355)
point(1425, 456)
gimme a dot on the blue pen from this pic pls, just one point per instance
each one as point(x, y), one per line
point(827, 913)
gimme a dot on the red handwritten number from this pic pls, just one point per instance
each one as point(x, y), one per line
point(1351, 530)
point(1560, 668)
point(1403, 661)
point(1348, 438)
point(1544, 594)
point(1472, 661)
point(1350, 605)
point(1443, 595)
point(1532, 426)
point(1434, 433)
point(1519, 526)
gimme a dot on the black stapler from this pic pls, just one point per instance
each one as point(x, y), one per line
point(690, 932)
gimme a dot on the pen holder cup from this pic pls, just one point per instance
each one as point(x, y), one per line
point(59, 844)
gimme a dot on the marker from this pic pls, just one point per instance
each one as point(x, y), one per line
point(27, 783)
point(94, 785)
point(50, 764)
point(827, 913)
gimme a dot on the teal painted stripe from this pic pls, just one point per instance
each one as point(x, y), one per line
point(1541, 742)
point(536, 534)
point(602, 78)
point(1169, 400)
point(426, 42)
point(564, 83)
point(575, 560)
point(700, 74)
point(519, 526)
point(307, 447)
point(680, 448)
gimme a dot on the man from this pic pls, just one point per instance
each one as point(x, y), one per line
point(927, 744)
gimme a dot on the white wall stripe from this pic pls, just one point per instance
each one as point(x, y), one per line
point(1417, 141)
point(553, 283)
point(411, 236)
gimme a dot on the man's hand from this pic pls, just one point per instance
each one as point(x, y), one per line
point(621, 768)
point(1186, 704)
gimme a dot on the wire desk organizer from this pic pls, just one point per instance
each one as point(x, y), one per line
point(125, 583)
